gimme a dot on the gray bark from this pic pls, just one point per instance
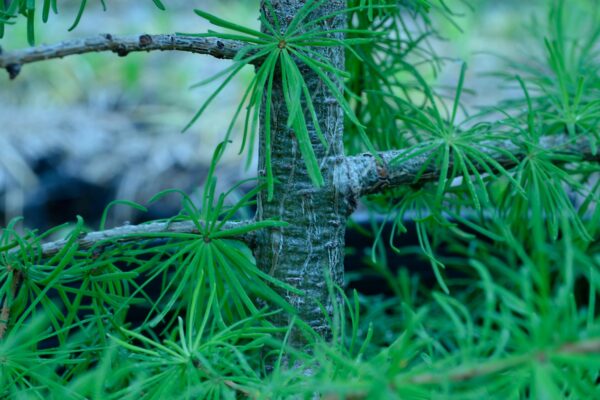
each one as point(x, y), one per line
point(130, 233)
point(313, 242)
point(121, 45)
point(363, 174)
point(353, 177)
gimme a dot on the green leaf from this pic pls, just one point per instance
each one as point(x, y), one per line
point(113, 203)
point(293, 91)
point(46, 10)
point(79, 14)
point(233, 232)
point(545, 385)
point(213, 19)
point(159, 4)
point(30, 13)
point(235, 70)
point(459, 88)
point(271, 65)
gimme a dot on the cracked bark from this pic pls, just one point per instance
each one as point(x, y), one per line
point(362, 175)
point(353, 177)
point(313, 242)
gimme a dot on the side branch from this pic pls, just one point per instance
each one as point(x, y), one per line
point(585, 348)
point(589, 348)
point(130, 233)
point(364, 174)
point(121, 45)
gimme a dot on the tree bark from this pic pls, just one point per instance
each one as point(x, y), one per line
point(121, 45)
point(362, 175)
point(312, 245)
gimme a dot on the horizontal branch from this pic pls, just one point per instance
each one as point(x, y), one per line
point(121, 45)
point(587, 347)
point(590, 347)
point(129, 233)
point(364, 174)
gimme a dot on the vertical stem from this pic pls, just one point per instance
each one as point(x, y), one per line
point(313, 242)
point(9, 298)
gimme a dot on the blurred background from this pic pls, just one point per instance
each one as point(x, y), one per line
point(77, 133)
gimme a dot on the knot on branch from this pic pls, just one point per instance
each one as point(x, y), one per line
point(13, 70)
point(382, 170)
point(121, 50)
point(145, 40)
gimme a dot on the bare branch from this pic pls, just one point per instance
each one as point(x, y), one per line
point(363, 174)
point(129, 233)
point(121, 45)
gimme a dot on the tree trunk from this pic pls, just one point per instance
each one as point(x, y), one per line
point(313, 242)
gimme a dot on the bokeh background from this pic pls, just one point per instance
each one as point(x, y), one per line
point(77, 133)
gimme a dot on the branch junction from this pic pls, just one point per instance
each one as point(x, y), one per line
point(363, 174)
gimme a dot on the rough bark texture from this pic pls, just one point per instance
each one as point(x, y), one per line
point(130, 233)
point(362, 175)
point(121, 45)
point(313, 243)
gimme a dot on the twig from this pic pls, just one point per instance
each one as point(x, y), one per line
point(364, 174)
point(12, 61)
point(239, 389)
point(128, 233)
point(462, 374)
point(5, 312)
point(591, 346)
